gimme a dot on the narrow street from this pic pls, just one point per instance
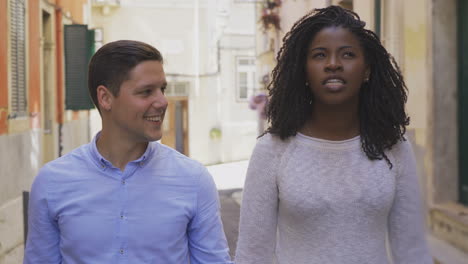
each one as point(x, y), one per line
point(230, 208)
point(229, 179)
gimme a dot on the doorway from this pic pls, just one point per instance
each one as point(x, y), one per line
point(463, 98)
point(175, 125)
point(49, 148)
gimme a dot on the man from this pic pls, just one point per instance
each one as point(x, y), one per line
point(124, 198)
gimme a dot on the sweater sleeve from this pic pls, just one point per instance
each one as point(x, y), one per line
point(259, 210)
point(406, 224)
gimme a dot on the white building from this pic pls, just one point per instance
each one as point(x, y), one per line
point(209, 58)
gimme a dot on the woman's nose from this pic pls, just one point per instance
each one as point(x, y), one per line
point(333, 64)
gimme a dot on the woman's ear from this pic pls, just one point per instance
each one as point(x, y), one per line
point(104, 97)
point(367, 74)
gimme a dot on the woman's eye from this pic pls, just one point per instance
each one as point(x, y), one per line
point(318, 55)
point(349, 55)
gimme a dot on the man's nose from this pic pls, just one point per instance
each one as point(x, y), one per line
point(160, 100)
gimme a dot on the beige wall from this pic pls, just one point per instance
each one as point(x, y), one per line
point(415, 64)
point(365, 10)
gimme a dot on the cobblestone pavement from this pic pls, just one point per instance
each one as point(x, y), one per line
point(230, 206)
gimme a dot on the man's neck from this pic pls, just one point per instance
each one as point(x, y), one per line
point(117, 150)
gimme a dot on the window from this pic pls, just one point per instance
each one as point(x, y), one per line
point(177, 89)
point(18, 58)
point(245, 79)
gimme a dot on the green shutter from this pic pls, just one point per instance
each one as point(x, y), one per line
point(79, 47)
point(463, 98)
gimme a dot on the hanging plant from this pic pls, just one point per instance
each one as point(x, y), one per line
point(269, 20)
point(270, 15)
point(271, 4)
point(259, 102)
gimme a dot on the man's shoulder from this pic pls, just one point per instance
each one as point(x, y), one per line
point(62, 169)
point(176, 159)
point(70, 162)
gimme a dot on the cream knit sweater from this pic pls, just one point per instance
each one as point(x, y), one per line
point(314, 201)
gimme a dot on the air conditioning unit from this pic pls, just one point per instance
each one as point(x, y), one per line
point(106, 2)
point(106, 5)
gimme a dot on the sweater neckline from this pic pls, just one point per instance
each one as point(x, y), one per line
point(330, 144)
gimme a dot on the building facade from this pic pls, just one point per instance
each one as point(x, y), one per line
point(36, 123)
point(209, 59)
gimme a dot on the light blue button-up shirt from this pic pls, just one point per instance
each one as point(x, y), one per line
point(163, 208)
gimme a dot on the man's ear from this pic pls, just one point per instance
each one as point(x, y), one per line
point(104, 97)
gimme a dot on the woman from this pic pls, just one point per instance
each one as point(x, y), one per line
point(334, 173)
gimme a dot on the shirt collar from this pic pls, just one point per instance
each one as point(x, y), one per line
point(102, 163)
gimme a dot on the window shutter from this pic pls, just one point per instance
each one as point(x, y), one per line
point(79, 47)
point(18, 58)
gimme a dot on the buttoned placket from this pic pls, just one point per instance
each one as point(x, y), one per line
point(125, 184)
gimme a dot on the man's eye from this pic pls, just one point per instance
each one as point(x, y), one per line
point(163, 89)
point(146, 92)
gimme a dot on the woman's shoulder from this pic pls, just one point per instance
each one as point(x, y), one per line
point(273, 142)
point(402, 154)
point(402, 147)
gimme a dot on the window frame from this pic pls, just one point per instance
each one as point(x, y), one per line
point(251, 68)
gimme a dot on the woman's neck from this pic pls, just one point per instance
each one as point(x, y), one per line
point(332, 123)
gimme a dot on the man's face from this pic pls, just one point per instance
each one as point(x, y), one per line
point(138, 111)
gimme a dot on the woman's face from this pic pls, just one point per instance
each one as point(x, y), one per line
point(335, 67)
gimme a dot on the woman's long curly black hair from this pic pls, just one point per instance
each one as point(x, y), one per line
point(382, 99)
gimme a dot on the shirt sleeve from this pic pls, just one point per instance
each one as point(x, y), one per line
point(207, 241)
point(259, 210)
point(406, 224)
point(42, 245)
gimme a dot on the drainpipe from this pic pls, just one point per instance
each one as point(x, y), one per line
point(377, 16)
point(59, 75)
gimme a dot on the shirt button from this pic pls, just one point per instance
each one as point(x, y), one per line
point(123, 182)
point(121, 216)
point(121, 251)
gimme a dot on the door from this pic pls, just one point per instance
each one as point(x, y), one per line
point(463, 98)
point(175, 125)
point(49, 148)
